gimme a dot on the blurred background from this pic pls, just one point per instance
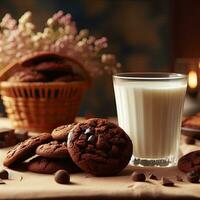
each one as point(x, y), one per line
point(139, 33)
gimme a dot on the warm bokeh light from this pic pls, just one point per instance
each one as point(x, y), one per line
point(192, 79)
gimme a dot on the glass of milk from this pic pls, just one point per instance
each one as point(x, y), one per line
point(149, 109)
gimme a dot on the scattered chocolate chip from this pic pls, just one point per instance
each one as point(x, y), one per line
point(179, 178)
point(3, 174)
point(62, 177)
point(138, 177)
point(2, 182)
point(21, 178)
point(189, 140)
point(193, 177)
point(92, 139)
point(152, 176)
point(167, 182)
point(88, 131)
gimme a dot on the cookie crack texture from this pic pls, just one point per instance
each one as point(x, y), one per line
point(25, 149)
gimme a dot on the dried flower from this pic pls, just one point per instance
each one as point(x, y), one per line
point(60, 35)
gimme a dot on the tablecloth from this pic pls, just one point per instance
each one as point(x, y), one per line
point(27, 185)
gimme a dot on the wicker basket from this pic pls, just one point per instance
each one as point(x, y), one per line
point(40, 107)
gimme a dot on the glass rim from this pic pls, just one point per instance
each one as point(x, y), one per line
point(149, 76)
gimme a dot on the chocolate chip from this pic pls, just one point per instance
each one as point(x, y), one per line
point(167, 182)
point(62, 177)
point(92, 139)
point(88, 131)
point(179, 178)
point(138, 177)
point(3, 174)
point(193, 177)
point(152, 176)
point(2, 182)
point(189, 140)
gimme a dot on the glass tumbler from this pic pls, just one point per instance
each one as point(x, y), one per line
point(149, 109)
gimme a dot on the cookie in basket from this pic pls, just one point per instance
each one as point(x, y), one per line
point(28, 75)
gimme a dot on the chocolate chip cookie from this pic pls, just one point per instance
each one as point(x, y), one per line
point(99, 147)
point(50, 166)
point(61, 132)
point(28, 76)
point(25, 149)
point(53, 149)
point(190, 162)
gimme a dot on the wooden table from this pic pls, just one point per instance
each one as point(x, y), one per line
point(26, 185)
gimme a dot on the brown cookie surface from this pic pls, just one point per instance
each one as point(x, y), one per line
point(68, 78)
point(52, 66)
point(99, 147)
point(25, 149)
point(27, 76)
point(50, 166)
point(61, 132)
point(190, 162)
point(53, 149)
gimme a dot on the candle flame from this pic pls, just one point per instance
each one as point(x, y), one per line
point(192, 79)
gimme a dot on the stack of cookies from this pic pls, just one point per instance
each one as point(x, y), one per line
point(45, 153)
point(95, 146)
point(51, 69)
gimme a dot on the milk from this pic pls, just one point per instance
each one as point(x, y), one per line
point(150, 113)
